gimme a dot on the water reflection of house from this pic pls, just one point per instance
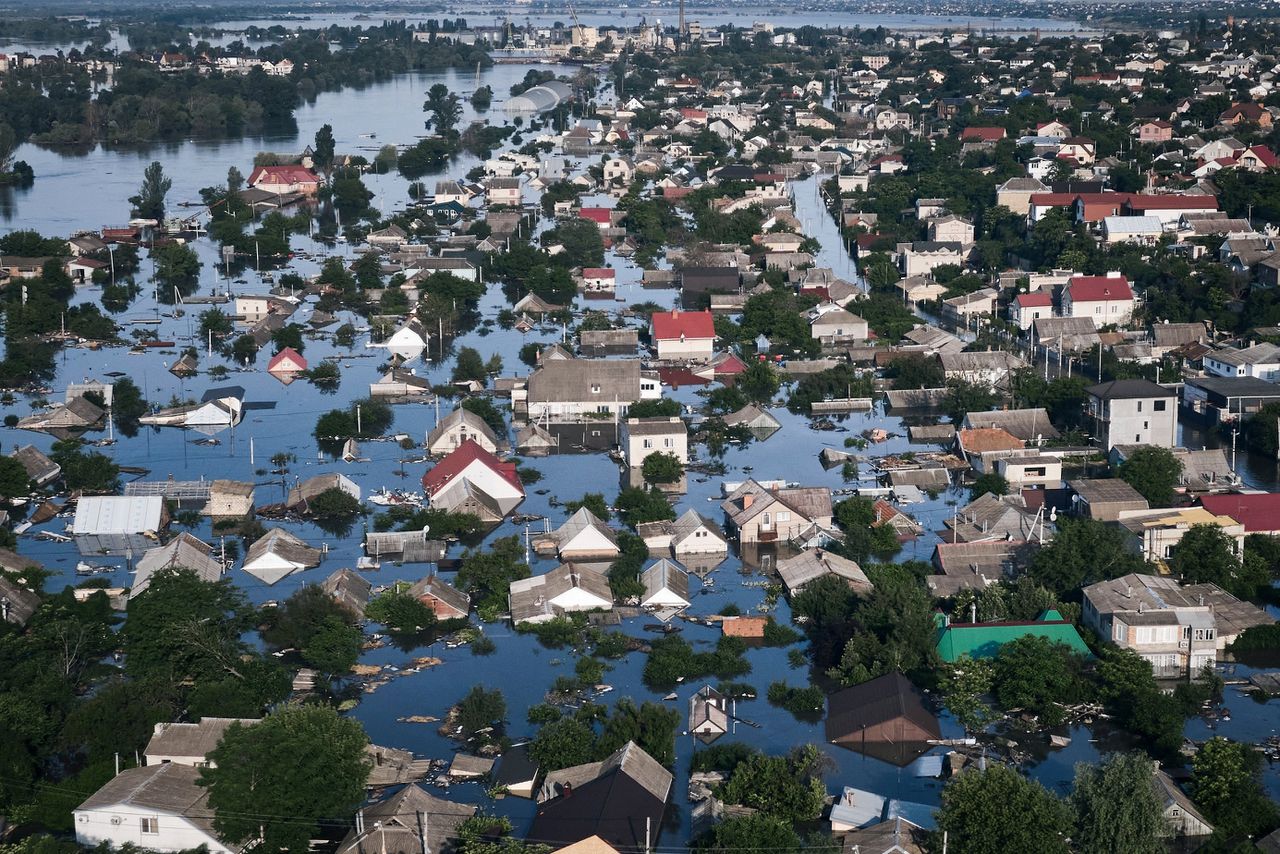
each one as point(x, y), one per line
point(535, 441)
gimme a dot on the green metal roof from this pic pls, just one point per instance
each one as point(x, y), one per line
point(983, 640)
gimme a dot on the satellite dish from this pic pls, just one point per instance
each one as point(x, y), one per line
point(426, 529)
point(1053, 515)
point(115, 819)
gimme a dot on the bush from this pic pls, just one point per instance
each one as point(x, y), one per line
point(662, 468)
point(334, 503)
point(805, 704)
point(400, 612)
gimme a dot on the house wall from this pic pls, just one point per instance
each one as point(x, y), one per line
point(781, 521)
point(1149, 421)
point(1103, 312)
point(639, 448)
point(703, 542)
point(176, 833)
point(689, 348)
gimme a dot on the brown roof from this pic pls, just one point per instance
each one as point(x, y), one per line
point(983, 439)
point(879, 701)
point(744, 627)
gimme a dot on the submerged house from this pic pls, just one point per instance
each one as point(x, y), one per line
point(472, 480)
point(411, 821)
point(565, 589)
point(884, 717)
point(183, 552)
point(277, 554)
point(621, 800)
point(983, 640)
point(584, 537)
point(666, 586)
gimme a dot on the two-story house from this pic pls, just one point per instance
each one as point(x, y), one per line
point(1178, 629)
point(1107, 299)
point(1133, 412)
point(642, 437)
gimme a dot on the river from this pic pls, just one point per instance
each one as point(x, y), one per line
point(91, 190)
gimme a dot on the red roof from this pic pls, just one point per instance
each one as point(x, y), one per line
point(984, 134)
point(1173, 201)
point(288, 354)
point(1265, 155)
point(1099, 288)
point(283, 175)
point(1040, 299)
point(458, 460)
point(1258, 512)
point(598, 273)
point(673, 325)
point(600, 216)
point(1046, 200)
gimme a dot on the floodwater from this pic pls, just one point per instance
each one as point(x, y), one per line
point(89, 191)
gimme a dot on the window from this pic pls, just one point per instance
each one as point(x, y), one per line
point(1146, 425)
point(1034, 471)
point(1097, 309)
point(595, 388)
point(668, 442)
point(150, 824)
point(648, 443)
point(784, 516)
point(1159, 405)
point(766, 521)
point(1139, 406)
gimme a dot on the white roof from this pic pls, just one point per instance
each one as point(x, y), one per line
point(1133, 224)
point(115, 514)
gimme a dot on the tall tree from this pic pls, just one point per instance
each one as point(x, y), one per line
point(235, 181)
point(998, 810)
point(149, 203)
point(1227, 786)
point(279, 779)
point(1117, 808)
point(1154, 472)
point(322, 152)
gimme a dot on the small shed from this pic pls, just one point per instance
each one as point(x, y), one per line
point(585, 536)
point(230, 499)
point(467, 767)
point(517, 772)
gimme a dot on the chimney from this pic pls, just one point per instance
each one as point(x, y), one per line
point(567, 790)
point(747, 501)
point(973, 612)
point(359, 822)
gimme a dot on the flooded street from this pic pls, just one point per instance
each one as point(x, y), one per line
point(89, 191)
